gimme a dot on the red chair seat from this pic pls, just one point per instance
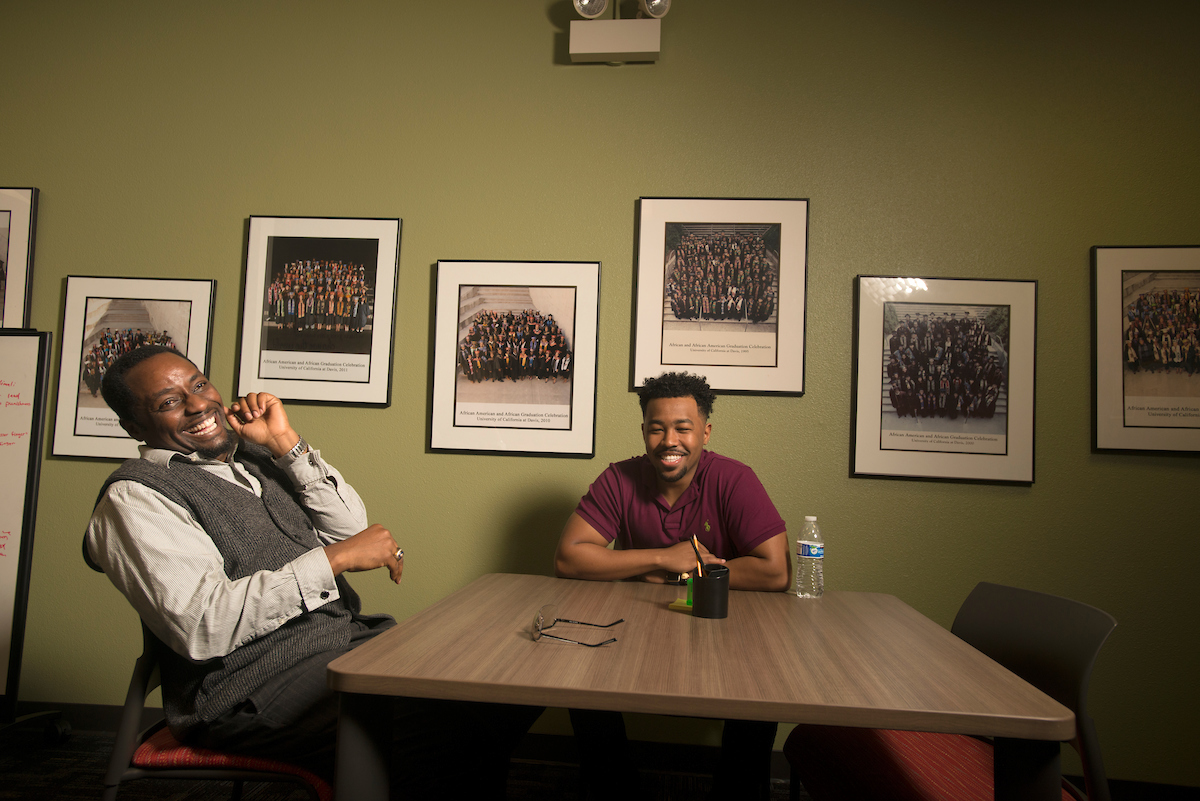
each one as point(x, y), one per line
point(162, 750)
point(844, 763)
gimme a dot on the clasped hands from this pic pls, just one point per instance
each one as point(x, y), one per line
point(679, 559)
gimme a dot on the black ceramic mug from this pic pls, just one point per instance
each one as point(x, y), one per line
point(710, 592)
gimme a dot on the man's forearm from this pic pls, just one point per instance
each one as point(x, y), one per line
point(333, 506)
point(598, 563)
point(756, 573)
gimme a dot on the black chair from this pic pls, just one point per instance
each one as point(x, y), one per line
point(155, 753)
point(1050, 642)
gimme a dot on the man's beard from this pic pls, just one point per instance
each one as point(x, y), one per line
point(221, 450)
point(678, 476)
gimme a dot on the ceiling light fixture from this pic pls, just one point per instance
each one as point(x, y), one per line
point(617, 40)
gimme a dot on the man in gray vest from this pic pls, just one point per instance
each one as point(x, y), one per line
point(231, 543)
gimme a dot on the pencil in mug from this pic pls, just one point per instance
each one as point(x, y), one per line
point(699, 561)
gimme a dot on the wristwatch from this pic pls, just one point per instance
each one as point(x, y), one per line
point(299, 448)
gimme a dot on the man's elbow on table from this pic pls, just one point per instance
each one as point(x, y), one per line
point(567, 563)
point(571, 555)
point(780, 581)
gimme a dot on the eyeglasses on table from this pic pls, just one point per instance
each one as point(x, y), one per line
point(547, 617)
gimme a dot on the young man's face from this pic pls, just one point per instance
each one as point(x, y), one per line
point(675, 433)
point(176, 408)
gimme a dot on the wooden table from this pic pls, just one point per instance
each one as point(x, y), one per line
point(849, 659)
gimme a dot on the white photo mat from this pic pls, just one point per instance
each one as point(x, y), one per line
point(516, 418)
point(83, 423)
point(708, 347)
point(1151, 411)
point(18, 216)
point(1011, 459)
point(319, 373)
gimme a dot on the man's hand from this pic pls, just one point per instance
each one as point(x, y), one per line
point(366, 550)
point(259, 418)
point(680, 553)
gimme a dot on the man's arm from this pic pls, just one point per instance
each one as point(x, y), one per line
point(768, 567)
point(583, 553)
point(332, 504)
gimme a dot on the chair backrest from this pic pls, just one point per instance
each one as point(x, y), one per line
point(145, 678)
point(1049, 641)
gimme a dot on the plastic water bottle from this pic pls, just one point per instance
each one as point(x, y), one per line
point(810, 560)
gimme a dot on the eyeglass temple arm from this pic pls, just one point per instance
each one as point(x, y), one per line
point(581, 623)
point(577, 642)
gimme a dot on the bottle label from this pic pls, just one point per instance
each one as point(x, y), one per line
point(813, 550)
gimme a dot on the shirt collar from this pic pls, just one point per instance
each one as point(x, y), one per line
point(162, 456)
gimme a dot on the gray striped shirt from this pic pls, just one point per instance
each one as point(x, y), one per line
point(167, 566)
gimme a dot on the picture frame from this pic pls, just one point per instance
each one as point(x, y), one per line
point(18, 223)
point(1146, 349)
point(944, 379)
point(318, 317)
point(488, 316)
point(104, 317)
point(721, 291)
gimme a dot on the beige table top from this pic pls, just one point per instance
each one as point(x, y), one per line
point(851, 659)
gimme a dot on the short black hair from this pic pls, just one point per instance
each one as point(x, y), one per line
point(678, 385)
point(115, 388)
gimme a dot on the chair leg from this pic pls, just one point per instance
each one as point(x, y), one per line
point(237, 791)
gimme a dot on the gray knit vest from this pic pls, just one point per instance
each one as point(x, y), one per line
point(194, 692)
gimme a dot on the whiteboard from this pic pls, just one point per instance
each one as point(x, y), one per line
point(24, 357)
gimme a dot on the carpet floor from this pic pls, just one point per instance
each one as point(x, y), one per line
point(73, 770)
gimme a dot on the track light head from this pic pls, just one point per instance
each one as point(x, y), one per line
point(655, 9)
point(590, 9)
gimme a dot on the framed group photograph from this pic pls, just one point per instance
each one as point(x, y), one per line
point(515, 357)
point(18, 221)
point(1146, 325)
point(105, 318)
point(721, 287)
point(317, 320)
point(944, 378)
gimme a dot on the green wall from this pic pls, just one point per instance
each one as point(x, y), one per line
point(934, 138)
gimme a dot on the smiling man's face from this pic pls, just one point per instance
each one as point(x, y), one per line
point(177, 409)
point(675, 433)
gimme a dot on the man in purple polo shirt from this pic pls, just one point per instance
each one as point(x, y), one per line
point(651, 506)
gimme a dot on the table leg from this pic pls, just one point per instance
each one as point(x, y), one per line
point(1027, 769)
point(363, 747)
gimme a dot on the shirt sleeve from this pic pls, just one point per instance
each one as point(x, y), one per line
point(333, 506)
point(601, 506)
point(750, 517)
point(172, 573)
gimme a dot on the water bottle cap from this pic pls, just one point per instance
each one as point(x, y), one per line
point(811, 518)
